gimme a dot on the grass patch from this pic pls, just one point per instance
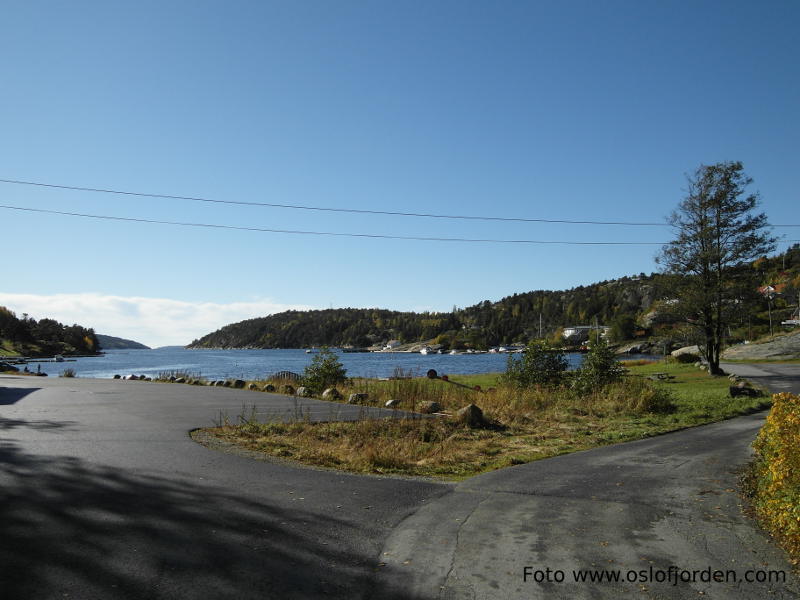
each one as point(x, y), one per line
point(7, 349)
point(522, 425)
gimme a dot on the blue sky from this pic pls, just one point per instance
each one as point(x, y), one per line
point(553, 110)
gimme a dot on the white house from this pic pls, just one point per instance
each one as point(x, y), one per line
point(582, 331)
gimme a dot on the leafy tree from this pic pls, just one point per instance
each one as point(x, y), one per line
point(717, 233)
point(324, 371)
point(623, 327)
point(538, 365)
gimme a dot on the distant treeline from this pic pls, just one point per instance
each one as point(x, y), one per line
point(515, 318)
point(30, 337)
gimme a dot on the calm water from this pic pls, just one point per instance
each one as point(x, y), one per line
point(256, 364)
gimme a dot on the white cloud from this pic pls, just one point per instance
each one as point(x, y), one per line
point(152, 321)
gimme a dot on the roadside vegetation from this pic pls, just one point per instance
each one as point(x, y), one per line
point(523, 415)
point(773, 480)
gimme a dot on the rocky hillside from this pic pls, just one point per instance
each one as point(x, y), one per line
point(780, 348)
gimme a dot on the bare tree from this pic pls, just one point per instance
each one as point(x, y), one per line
point(717, 234)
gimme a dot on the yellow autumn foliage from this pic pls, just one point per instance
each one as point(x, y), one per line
point(776, 477)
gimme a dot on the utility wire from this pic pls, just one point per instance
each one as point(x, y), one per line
point(327, 209)
point(342, 210)
point(327, 233)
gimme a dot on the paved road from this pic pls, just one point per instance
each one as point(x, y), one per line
point(773, 376)
point(103, 495)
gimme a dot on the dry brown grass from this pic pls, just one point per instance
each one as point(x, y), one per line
point(523, 425)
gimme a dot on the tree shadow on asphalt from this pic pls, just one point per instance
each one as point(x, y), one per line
point(39, 424)
point(13, 395)
point(70, 528)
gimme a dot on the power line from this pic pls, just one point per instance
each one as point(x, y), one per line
point(327, 209)
point(325, 233)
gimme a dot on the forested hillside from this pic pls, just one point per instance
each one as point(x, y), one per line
point(46, 337)
point(110, 342)
point(515, 318)
point(632, 306)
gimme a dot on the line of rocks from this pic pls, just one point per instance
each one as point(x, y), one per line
point(470, 415)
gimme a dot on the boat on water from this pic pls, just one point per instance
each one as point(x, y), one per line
point(58, 358)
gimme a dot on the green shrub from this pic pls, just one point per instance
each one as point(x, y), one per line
point(538, 365)
point(599, 368)
point(687, 358)
point(324, 371)
point(67, 373)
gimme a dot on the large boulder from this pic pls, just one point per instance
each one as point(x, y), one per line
point(686, 350)
point(303, 392)
point(747, 392)
point(269, 388)
point(471, 416)
point(288, 389)
point(358, 398)
point(429, 407)
point(252, 386)
point(393, 403)
point(238, 384)
point(331, 394)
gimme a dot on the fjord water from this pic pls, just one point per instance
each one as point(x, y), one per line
point(257, 364)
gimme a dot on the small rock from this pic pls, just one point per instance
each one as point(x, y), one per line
point(303, 392)
point(252, 386)
point(117, 376)
point(238, 384)
point(432, 374)
point(331, 394)
point(179, 380)
point(470, 415)
point(393, 403)
point(358, 398)
point(172, 379)
point(269, 388)
point(226, 383)
point(131, 377)
point(429, 406)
